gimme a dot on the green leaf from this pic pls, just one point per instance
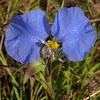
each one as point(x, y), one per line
point(63, 4)
point(43, 82)
point(33, 68)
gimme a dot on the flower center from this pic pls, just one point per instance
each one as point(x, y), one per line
point(52, 45)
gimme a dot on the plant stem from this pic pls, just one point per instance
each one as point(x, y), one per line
point(48, 80)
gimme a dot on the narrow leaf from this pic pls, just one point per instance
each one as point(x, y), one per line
point(63, 4)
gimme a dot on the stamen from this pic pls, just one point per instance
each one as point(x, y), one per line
point(61, 55)
point(52, 45)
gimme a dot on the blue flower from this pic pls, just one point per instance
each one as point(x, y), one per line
point(26, 32)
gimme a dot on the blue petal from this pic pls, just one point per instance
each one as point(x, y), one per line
point(23, 34)
point(73, 28)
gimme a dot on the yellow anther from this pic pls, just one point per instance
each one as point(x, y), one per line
point(52, 45)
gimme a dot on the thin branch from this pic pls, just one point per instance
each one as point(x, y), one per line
point(92, 95)
point(32, 81)
point(1, 41)
point(19, 10)
point(97, 72)
point(40, 95)
point(39, 90)
point(4, 25)
point(95, 20)
point(48, 3)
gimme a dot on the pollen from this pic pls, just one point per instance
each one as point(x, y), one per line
point(52, 45)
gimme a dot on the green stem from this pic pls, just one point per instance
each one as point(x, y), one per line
point(51, 94)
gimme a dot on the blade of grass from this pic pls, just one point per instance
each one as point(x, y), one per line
point(15, 4)
point(35, 91)
point(63, 4)
point(21, 87)
point(94, 68)
point(1, 17)
point(5, 95)
point(89, 8)
point(96, 14)
point(59, 69)
point(16, 93)
point(2, 9)
point(39, 3)
point(44, 98)
point(12, 94)
point(33, 5)
point(2, 59)
point(54, 3)
point(85, 8)
point(12, 77)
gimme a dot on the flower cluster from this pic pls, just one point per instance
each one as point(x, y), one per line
point(26, 32)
